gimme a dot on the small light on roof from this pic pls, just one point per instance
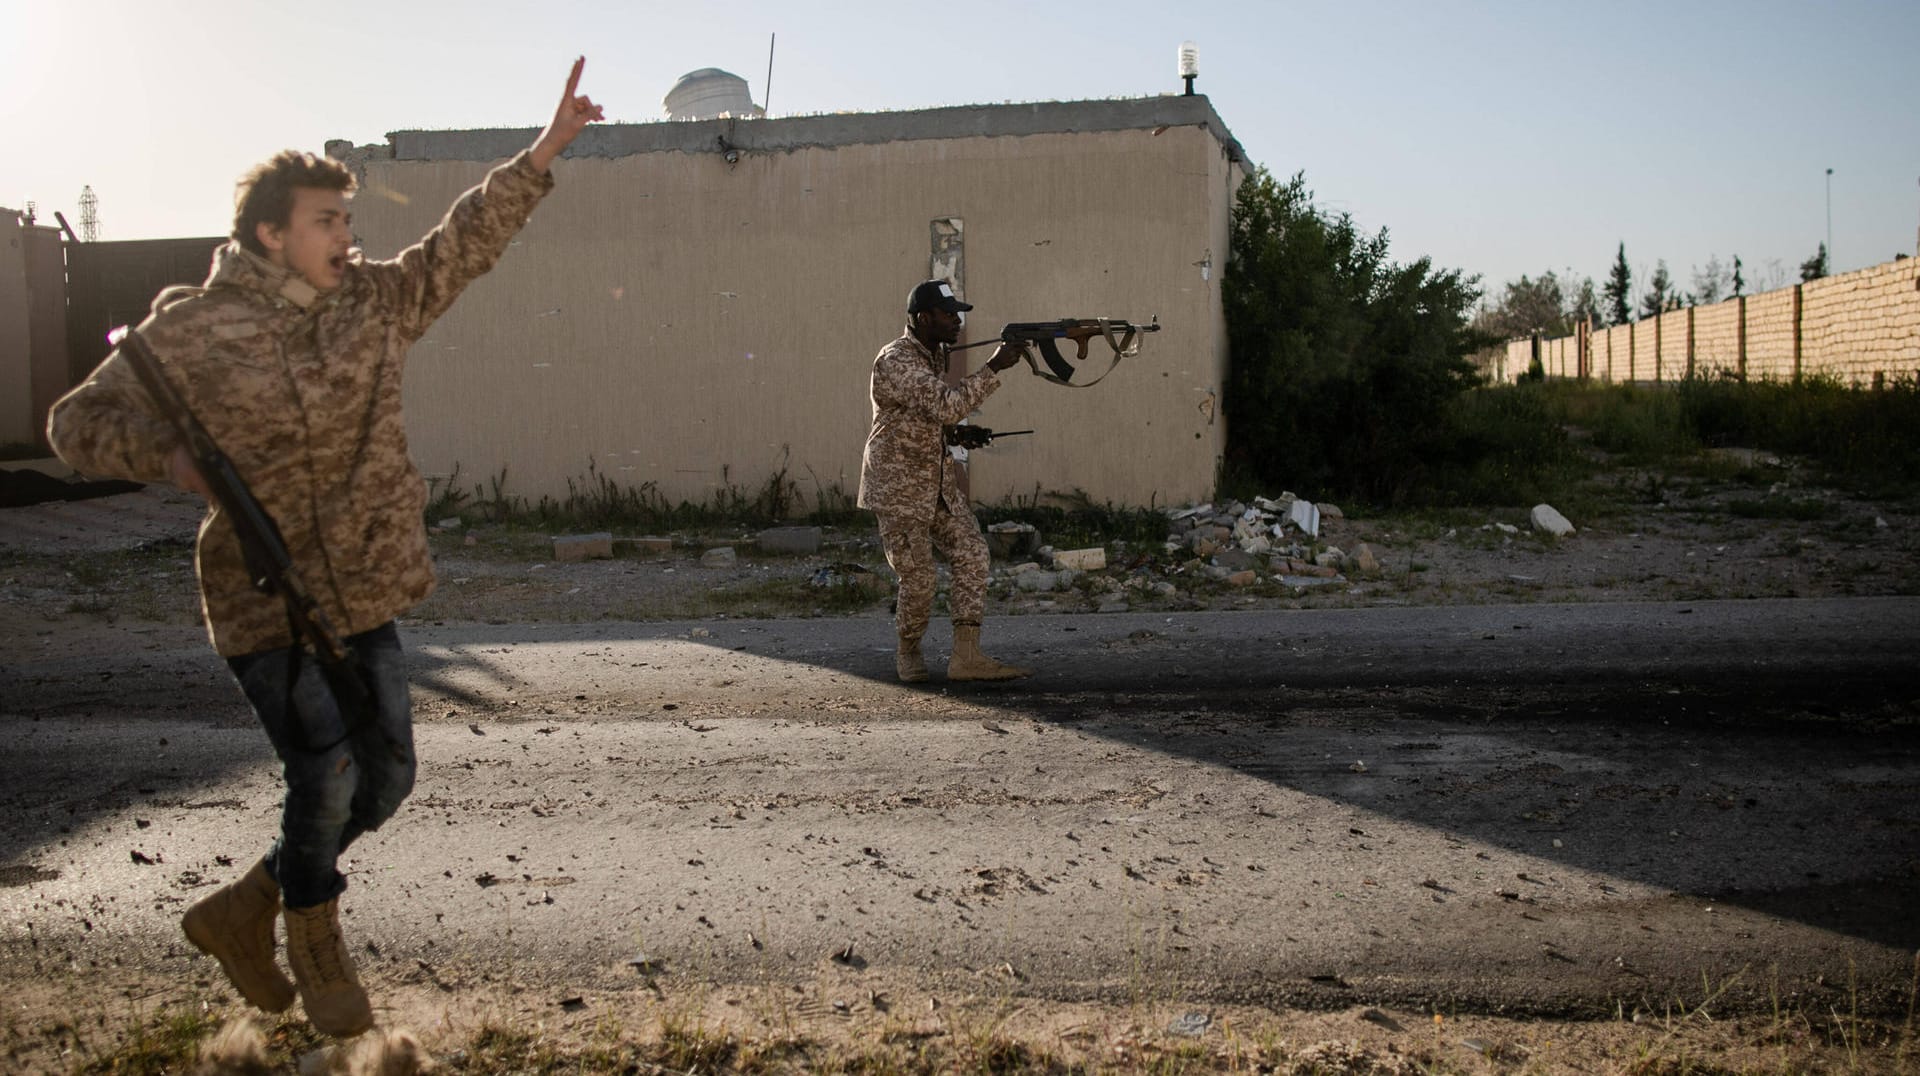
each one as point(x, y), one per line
point(1189, 64)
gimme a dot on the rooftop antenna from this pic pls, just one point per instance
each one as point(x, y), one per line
point(1189, 64)
point(89, 215)
point(766, 95)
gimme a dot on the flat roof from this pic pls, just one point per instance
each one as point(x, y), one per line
point(804, 132)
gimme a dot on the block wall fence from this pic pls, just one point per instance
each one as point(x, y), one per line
point(1862, 328)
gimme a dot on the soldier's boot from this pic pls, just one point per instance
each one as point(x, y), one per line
point(909, 662)
point(329, 987)
point(234, 925)
point(968, 663)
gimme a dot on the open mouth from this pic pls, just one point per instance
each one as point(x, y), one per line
point(337, 263)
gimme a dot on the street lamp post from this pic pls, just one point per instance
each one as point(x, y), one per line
point(1829, 266)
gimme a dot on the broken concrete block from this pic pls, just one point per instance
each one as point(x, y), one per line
point(1330, 511)
point(1364, 560)
point(719, 557)
point(788, 540)
point(1545, 517)
point(577, 547)
point(1009, 540)
point(1081, 560)
point(1243, 578)
point(1305, 516)
point(1330, 558)
point(1037, 582)
point(1233, 560)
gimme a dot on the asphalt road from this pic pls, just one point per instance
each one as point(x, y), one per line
point(1535, 809)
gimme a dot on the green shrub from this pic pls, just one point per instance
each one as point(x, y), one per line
point(1344, 363)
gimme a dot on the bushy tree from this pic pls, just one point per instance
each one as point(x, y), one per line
point(1711, 284)
point(1524, 307)
point(1619, 290)
point(1815, 267)
point(1550, 305)
point(1659, 294)
point(1584, 305)
point(1343, 362)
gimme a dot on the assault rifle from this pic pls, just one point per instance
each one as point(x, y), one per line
point(269, 565)
point(967, 436)
point(1042, 334)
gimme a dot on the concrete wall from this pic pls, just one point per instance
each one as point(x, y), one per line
point(1856, 327)
point(16, 334)
point(1864, 323)
point(1716, 338)
point(114, 283)
point(33, 333)
point(47, 292)
point(682, 321)
point(1770, 335)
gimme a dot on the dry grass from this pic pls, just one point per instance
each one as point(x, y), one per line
point(843, 1024)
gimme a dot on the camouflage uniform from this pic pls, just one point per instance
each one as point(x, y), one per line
point(912, 483)
point(302, 391)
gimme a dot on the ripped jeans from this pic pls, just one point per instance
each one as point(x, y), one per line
point(340, 783)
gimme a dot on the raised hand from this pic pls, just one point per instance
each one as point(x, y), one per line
point(572, 117)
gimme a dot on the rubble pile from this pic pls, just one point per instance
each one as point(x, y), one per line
point(1277, 541)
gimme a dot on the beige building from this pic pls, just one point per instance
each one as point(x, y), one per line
point(698, 303)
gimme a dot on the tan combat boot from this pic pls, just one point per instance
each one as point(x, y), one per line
point(911, 666)
point(234, 925)
point(331, 991)
point(968, 663)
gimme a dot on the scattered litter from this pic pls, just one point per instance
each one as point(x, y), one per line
point(1192, 1024)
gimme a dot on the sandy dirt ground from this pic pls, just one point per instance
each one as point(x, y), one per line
point(1649, 784)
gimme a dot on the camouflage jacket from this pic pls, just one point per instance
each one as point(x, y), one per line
point(302, 392)
point(906, 468)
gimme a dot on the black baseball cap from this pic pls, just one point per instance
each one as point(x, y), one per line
point(935, 295)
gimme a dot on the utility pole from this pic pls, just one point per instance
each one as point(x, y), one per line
point(1829, 266)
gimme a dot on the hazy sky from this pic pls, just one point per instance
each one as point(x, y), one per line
point(1499, 138)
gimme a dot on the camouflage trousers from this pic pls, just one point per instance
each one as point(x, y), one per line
point(910, 545)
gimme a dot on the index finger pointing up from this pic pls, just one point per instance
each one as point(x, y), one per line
point(573, 77)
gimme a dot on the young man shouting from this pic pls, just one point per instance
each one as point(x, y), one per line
point(291, 356)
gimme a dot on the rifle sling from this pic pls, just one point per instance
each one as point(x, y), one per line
point(1062, 373)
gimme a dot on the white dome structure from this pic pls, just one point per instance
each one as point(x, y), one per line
point(708, 94)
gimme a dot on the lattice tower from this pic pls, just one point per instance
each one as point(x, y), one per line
point(89, 215)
